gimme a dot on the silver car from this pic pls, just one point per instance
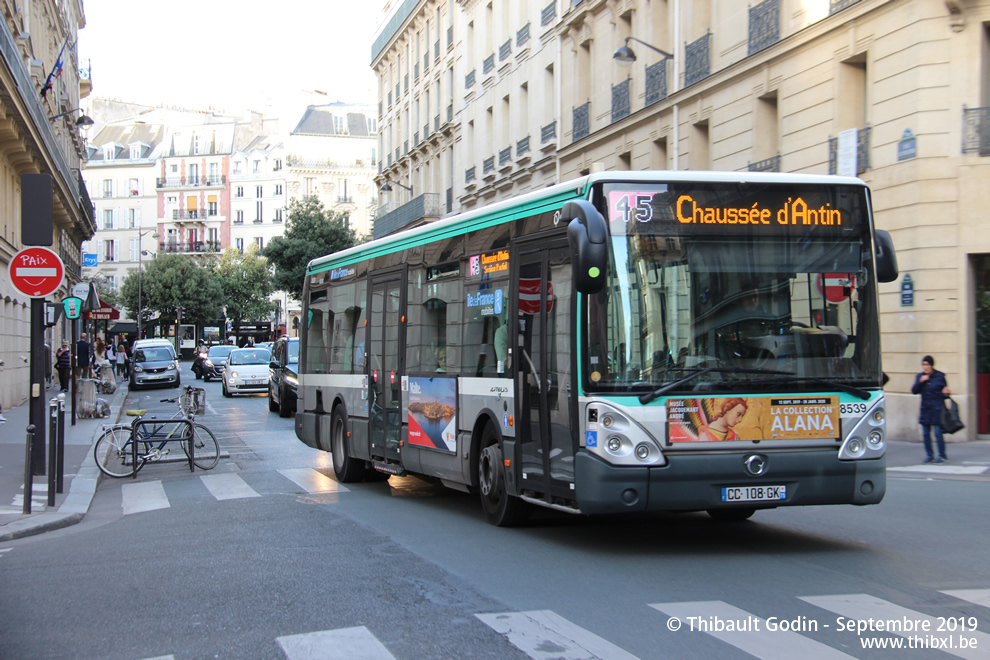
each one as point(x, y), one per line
point(154, 365)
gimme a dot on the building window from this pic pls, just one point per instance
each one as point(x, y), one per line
point(278, 189)
point(135, 246)
point(258, 212)
point(239, 192)
point(135, 152)
point(258, 192)
point(278, 215)
point(212, 207)
point(196, 143)
point(277, 165)
point(133, 218)
point(309, 186)
point(239, 217)
point(108, 219)
point(237, 167)
point(108, 187)
point(109, 250)
point(260, 242)
point(133, 187)
point(239, 244)
point(174, 168)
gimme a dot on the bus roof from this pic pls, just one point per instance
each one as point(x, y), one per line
point(548, 198)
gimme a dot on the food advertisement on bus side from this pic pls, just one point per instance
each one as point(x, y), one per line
point(433, 413)
point(724, 419)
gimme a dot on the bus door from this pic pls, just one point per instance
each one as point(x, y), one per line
point(385, 367)
point(542, 364)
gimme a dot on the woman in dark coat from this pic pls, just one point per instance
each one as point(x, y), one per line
point(931, 385)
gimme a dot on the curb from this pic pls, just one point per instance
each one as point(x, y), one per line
point(38, 524)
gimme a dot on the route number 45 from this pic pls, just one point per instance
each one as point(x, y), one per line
point(631, 205)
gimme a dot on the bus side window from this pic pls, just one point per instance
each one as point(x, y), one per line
point(486, 312)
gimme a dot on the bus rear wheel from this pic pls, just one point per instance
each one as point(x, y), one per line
point(347, 469)
point(500, 508)
point(730, 515)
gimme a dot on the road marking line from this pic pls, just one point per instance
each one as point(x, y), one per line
point(751, 635)
point(941, 469)
point(313, 481)
point(864, 607)
point(146, 496)
point(342, 644)
point(975, 596)
point(543, 635)
point(228, 486)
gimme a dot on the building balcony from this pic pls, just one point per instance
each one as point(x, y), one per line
point(392, 217)
point(194, 214)
point(189, 247)
point(191, 182)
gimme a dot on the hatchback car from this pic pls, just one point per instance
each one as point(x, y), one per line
point(246, 371)
point(154, 365)
point(283, 383)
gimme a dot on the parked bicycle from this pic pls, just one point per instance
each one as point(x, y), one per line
point(114, 451)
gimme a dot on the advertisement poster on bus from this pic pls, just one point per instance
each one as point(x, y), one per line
point(724, 419)
point(433, 413)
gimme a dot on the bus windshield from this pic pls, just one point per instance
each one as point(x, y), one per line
point(732, 287)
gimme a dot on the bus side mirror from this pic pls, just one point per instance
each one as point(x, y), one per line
point(886, 257)
point(587, 236)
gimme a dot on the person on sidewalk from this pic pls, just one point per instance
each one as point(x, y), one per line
point(121, 359)
point(933, 388)
point(63, 363)
point(82, 357)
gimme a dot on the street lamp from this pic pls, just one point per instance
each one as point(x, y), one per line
point(625, 56)
point(386, 188)
point(140, 309)
point(84, 121)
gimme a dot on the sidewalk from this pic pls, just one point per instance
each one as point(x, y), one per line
point(80, 472)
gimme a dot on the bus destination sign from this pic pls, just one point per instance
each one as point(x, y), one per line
point(489, 263)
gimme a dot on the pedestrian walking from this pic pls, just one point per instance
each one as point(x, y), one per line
point(121, 359)
point(933, 388)
point(82, 357)
point(63, 363)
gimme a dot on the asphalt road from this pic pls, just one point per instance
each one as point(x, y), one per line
point(267, 557)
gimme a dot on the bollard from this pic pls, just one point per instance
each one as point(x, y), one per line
point(61, 441)
point(52, 445)
point(28, 472)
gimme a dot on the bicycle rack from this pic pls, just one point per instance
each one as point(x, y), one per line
point(153, 437)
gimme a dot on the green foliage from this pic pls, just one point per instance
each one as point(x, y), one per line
point(170, 281)
point(247, 284)
point(311, 232)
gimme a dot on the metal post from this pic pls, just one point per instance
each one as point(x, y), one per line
point(52, 448)
point(139, 309)
point(28, 472)
point(61, 442)
point(36, 405)
point(72, 372)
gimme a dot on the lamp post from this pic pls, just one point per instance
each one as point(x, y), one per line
point(140, 309)
point(386, 188)
point(624, 56)
point(84, 121)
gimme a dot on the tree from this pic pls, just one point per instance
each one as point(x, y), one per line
point(311, 231)
point(173, 280)
point(109, 296)
point(247, 284)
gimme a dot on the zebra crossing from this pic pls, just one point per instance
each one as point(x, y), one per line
point(144, 496)
point(545, 635)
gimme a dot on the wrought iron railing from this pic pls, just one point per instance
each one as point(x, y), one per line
point(764, 26)
point(697, 60)
point(620, 100)
point(976, 131)
point(862, 152)
point(582, 121)
point(548, 132)
point(771, 164)
point(522, 35)
point(189, 246)
point(191, 182)
point(656, 82)
point(426, 206)
point(548, 14)
point(505, 50)
point(192, 214)
point(522, 146)
point(839, 5)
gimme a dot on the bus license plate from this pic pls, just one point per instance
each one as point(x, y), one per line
point(754, 494)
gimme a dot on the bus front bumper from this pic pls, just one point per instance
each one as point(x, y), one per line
point(695, 482)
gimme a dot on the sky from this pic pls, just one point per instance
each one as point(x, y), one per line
point(231, 54)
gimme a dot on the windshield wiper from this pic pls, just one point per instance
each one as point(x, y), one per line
point(651, 396)
point(848, 389)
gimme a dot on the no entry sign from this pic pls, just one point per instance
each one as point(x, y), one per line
point(36, 272)
point(836, 287)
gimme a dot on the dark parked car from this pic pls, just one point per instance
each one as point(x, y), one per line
point(154, 365)
point(283, 383)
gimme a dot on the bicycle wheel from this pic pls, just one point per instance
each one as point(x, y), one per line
point(206, 452)
point(113, 453)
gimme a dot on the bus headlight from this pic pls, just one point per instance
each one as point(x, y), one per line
point(855, 447)
point(878, 415)
point(614, 445)
point(875, 438)
point(613, 436)
point(642, 451)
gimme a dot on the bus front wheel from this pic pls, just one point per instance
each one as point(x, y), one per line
point(347, 469)
point(500, 508)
